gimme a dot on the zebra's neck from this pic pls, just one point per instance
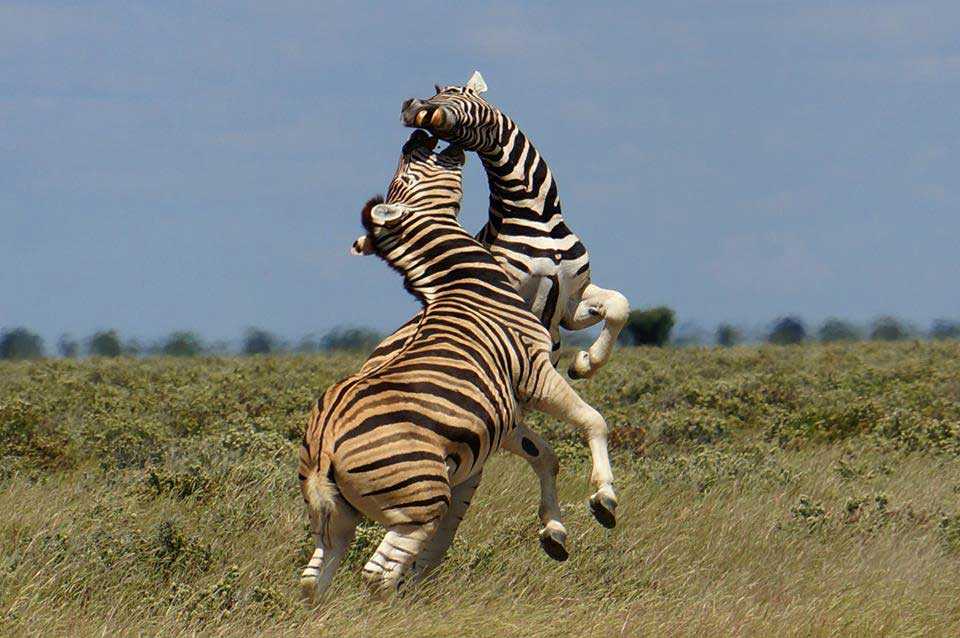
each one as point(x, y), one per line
point(521, 184)
point(439, 260)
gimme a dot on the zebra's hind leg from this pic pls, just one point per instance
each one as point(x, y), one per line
point(595, 305)
point(332, 541)
point(555, 397)
point(435, 549)
point(531, 447)
point(396, 554)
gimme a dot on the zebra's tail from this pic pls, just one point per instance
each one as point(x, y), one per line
point(314, 474)
point(319, 491)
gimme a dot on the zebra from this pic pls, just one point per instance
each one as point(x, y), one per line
point(526, 232)
point(403, 442)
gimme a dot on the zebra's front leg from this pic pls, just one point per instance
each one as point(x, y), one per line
point(597, 304)
point(332, 538)
point(435, 549)
point(531, 447)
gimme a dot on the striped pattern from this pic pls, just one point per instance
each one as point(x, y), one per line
point(399, 440)
point(526, 232)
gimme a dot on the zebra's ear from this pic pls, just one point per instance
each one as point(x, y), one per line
point(476, 83)
point(387, 214)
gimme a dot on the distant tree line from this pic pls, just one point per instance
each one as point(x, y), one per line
point(21, 343)
point(645, 327)
point(654, 327)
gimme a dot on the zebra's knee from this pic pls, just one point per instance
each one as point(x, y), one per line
point(617, 309)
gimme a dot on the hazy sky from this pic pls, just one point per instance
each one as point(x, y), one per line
point(179, 165)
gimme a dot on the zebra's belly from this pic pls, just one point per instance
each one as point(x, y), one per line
point(551, 289)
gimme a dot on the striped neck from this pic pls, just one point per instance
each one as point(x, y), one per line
point(438, 259)
point(521, 184)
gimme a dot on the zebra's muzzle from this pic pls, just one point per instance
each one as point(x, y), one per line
point(420, 115)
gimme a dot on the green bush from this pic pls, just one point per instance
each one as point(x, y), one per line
point(727, 335)
point(182, 344)
point(888, 329)
point(68, 347)
point(787, 331)
point(20, 343)
point(105, 343)
point(350, 339)
point(945, 329)
point(650, 327)
point(258, 341)
point(834, 330)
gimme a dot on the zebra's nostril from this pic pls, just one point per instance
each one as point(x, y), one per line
point(406, 104)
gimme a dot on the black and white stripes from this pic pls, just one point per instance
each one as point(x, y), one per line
point(404, 441)
point(526, 233)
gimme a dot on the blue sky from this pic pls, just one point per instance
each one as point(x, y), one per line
point(201, 166)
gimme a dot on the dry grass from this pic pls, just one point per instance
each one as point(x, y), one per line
point(745, 533)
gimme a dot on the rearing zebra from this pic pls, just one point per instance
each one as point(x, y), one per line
point(404, 440)
point(526, 233)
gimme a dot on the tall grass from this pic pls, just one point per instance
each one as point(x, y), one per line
point(809, 491)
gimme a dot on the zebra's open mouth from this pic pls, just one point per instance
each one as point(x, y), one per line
point(417, 114)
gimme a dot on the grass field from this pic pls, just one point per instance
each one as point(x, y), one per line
point(765, 491)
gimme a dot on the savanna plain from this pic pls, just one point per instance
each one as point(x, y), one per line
point(764, 491)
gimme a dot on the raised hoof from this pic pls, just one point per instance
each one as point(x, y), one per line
point(580, 366)
point(553, 543)
point(604, 510)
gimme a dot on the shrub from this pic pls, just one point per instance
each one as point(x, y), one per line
point(650, 327)
point(68, 347)
point(888, 329)
point(834, 329)
point(945, 329)
point(258, 341)
point(787, 330)
point(309, 344)
point(20, 343)
point(182, 344)
point(727, 335)
point(132, 348)
point(350, 339)
point(689, 334)
point(105, 343)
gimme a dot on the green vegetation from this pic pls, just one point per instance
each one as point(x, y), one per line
point(727, 335)
point(787, 331)
point(182, 344)
point(650, 327)
point(811, 490)
point(834, 329)
point(259, 341)
point(105, 343)
point(20, 343)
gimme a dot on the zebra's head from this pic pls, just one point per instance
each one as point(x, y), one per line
point(426, 183)
point(457, 114)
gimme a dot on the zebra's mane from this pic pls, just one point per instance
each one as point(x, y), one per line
point(373, 201)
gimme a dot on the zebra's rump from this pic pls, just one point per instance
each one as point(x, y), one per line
point(439, 407)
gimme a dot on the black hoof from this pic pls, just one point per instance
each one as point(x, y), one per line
point(604, 509)
point(552, 543)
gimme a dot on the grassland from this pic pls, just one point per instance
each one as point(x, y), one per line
point(809, 491)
